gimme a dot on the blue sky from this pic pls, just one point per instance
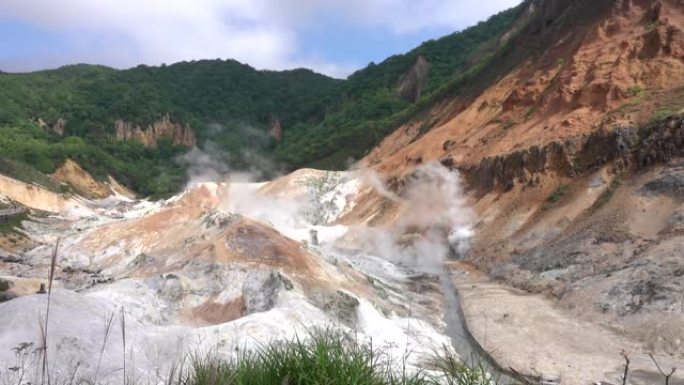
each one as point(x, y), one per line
point(334, 37)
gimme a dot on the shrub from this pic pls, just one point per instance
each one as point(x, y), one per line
point(4, 285)
point(635, 90)
point(558, 193)
point(607, 194)
point(665, 112)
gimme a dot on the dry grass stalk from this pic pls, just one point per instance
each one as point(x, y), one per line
point(44, 323)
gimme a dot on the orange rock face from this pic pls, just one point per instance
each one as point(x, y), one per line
point(182, 135)
point(276, 130)
point(56, 127)
point(604, 70)
point(71, 172)
point(412, 84)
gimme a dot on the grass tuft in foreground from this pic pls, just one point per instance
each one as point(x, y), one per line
point(327, 357)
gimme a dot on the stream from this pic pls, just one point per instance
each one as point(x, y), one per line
point(467, 347)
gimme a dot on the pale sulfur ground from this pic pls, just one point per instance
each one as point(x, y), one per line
point(530, 334)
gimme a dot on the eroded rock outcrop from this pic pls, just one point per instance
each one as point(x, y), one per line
point(181, 135)
point(71, 173)
point(660, 142)
point(275, 130)
point(626, 147)
point(520, 166)
point(413, 83)
point(56, 127)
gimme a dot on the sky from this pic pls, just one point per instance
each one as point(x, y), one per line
point(334, 37)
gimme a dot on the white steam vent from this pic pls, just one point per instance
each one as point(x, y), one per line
point(435, 220)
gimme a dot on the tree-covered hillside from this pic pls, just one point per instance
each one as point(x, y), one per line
point(91, 98)
point(227, 103)
point(326, 122)
point(369, 106)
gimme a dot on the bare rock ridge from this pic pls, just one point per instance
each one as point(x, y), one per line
point(503, 171)
point(57, 127)
point(548, 10)
point(628, 149)
point(275, 129)
point(71, 173)
point(412, 84)
point(521, 23)
point(181, 135)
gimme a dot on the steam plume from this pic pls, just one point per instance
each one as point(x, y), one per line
point(435, 221)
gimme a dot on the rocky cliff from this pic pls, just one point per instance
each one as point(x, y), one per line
point(181, 135)
point(56, 127)
point(83, 183)
point(275, 129)
point(412, 84)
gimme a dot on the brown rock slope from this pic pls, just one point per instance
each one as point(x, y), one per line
point(570, 144)
point(84, 184)
point(593, 65)
point(71, 173)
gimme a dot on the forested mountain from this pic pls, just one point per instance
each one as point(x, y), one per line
point(375, 100)
point(223, 101)
point(134, 123)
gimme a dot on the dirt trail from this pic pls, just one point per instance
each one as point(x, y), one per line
point(534, 337)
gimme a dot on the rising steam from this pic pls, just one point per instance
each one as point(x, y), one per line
point(239, 149)
point(434, 223)
point(203, 165)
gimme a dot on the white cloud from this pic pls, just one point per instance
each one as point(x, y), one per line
point(262, 33)
point(158, 31)
point(398, 16)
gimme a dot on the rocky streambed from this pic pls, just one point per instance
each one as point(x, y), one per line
point(531, 335)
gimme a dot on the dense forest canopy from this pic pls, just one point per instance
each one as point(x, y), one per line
point(326, 122)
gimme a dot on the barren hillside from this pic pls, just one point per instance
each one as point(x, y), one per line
point(572, 160)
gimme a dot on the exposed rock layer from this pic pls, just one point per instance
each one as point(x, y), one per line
point(57, 127)
point(576, 68)
point(655, 143)
point(275, 130)
point(413, 83)
point(181, 135)
point(71, 173)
